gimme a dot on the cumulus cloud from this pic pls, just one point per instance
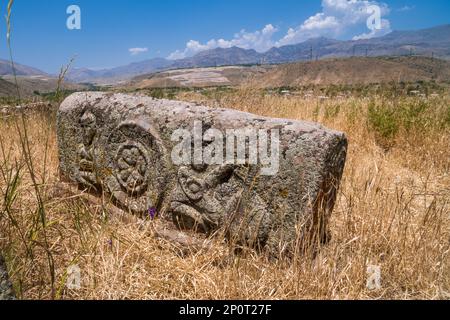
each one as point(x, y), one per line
point(376, 32)
point(136, 51)
point(337, 17)
point(315, 26)
point(260, 41)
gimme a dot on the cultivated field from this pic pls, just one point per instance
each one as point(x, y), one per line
point(393, 211)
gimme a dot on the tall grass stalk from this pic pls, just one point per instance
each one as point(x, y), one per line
point(27, 153)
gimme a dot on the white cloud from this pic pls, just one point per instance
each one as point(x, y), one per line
point(136, 51)
point(260, 41)
point(406, 8)
point(315, 26)
point(336, 18)
point(385, 28)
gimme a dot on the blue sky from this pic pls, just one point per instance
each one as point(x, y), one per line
point(117, 32)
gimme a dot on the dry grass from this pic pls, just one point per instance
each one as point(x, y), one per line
point(392, 210)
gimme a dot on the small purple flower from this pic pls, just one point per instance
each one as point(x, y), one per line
point(110, 243)
point(152, 213)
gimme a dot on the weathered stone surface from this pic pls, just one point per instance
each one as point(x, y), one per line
point(122, 144)
point(6, 290)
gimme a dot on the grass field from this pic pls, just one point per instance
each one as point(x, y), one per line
point(393, 211)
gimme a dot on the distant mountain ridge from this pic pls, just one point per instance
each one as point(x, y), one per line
point(426, 42)
point(118, 73)
point(21, 70)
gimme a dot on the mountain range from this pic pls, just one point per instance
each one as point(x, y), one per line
point(426, 42)
point(21, 70)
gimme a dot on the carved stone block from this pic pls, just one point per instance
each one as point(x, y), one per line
point(131, 147)
point(6, 288)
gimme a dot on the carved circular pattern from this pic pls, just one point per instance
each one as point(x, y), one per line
point(193, 188)
point(132, 167)
point(137, 166)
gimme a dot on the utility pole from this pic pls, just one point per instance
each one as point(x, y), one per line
point(367, 52)
point(311, 55)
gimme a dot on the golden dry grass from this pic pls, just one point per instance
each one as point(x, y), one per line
point(392, 211)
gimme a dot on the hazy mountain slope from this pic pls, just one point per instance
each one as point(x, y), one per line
point(119, 73)
point(422, 42)
point(21, 70)
point(82, 75)
point(219, 57)
point(138, 68)
point(302, 51)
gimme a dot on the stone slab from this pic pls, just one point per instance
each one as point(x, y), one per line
point(124, 145)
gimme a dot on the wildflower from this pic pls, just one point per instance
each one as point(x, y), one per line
point(152, 213)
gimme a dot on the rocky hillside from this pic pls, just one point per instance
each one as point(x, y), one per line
point(358, 70)
point(199, 77)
